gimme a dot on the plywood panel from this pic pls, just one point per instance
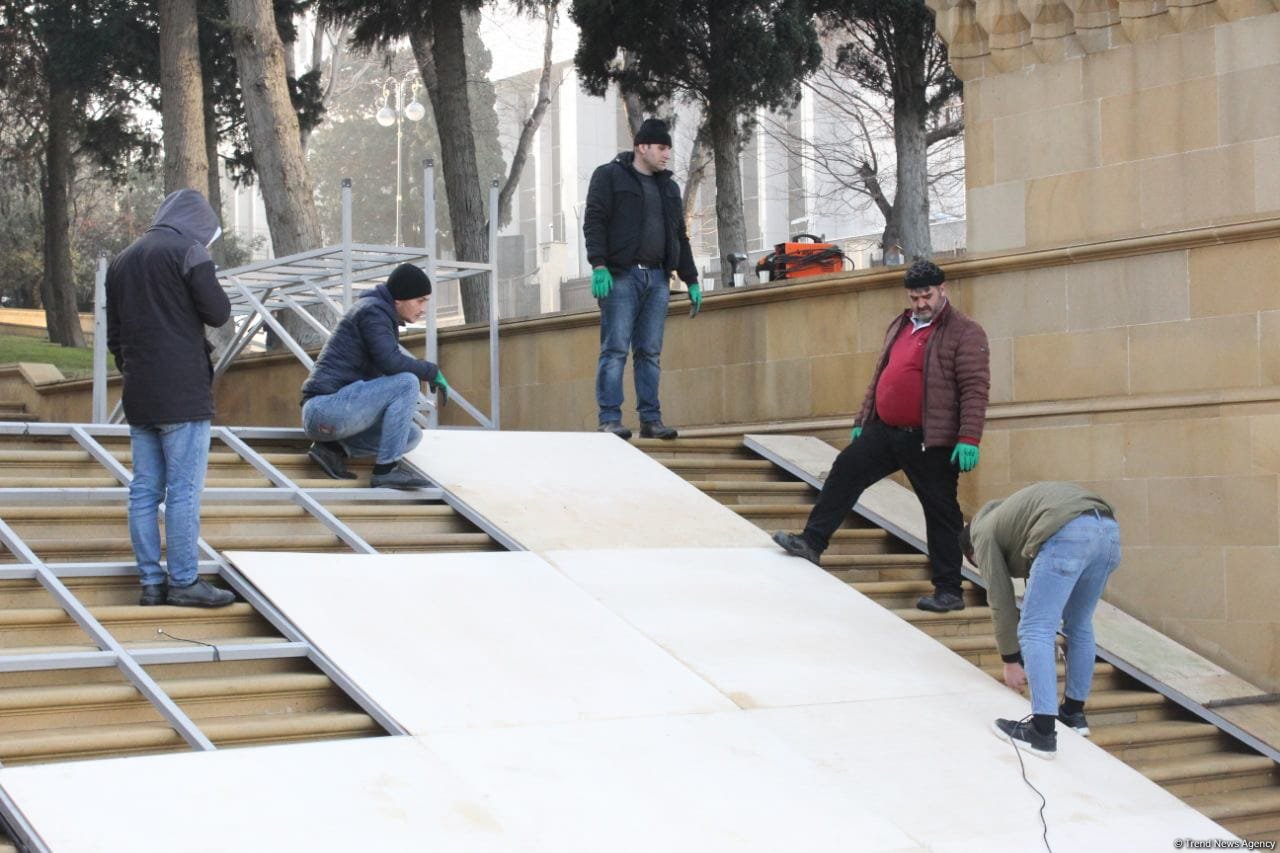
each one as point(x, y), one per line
point(768, 629)
point(577, 490)
point(388, 794)
point(457, 640)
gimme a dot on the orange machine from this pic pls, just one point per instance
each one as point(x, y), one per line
point(796, 259)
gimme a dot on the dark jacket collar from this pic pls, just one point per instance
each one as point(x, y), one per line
point(627, 159)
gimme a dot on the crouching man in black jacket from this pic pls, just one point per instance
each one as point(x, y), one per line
point(161, 293)
point(363, 391)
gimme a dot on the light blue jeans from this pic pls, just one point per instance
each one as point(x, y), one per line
point(169, 462)
point(632, 317)
point(1067, 579)
point(373, 417)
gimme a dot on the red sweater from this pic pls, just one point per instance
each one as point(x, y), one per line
point(900, 391)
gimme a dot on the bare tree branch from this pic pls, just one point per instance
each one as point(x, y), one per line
point(534, 121)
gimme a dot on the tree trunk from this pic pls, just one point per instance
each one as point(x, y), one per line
point(186, 163)
point(58, 289)
point(910, 114)
point(911, 198)
point(731, 226)
point(287, 190)
point(699, 159)
point(534, 121)
point(631, 101)
point(213, 178)
point(443, 66)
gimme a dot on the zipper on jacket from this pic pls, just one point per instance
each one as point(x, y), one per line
point(924, 382)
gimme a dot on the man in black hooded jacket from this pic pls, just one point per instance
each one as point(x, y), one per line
point(161, 292)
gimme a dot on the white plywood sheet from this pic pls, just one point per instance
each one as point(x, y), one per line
point(768, 629)
point(706, 783)
point(386, 794)
point(937, 768)
point(577, 490)
point(487, 639)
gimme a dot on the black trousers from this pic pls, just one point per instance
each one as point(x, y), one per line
point(877, 453)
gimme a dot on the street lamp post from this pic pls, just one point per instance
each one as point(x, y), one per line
point(386, 116)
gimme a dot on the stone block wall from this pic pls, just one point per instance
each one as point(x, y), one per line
point(1116, 119)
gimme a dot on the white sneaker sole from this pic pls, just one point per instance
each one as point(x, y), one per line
point(1023, 745)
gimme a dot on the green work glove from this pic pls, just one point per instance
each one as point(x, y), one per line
point(601, 282)
point(695, 297)
point(441, 387)
point(853, 435)
point(966, 456)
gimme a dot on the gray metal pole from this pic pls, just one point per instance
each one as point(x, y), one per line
point(429, 242)
point(495, 390)
point(346, 243)
point(100, 342)
point(399, 149)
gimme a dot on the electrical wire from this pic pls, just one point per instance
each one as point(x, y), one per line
point(1023, 767)
point(217, 658)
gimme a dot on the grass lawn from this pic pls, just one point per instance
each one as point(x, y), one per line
point(75, 363)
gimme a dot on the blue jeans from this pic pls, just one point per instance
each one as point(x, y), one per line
point(1067, 579)
point(632, 317)
point(169, 462)
point(373, 417)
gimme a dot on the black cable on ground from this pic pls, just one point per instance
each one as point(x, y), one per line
point(217, 658)
point(1023, 767)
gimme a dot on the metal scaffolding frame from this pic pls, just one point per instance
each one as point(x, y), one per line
point(327, 279)
point(110, 652)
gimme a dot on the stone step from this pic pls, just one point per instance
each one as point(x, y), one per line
point(120, 549)
point(713, 448)
point(734, 492)
point(971, 622)
point(1210, 773)
point(72, 705)
point(1162, 739)
point(36, 627)
point(699, 468)
point(901, 595)
point(1251, 813)
point(144, 738)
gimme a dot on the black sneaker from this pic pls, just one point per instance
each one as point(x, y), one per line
point(199, 594)
point(796, 546)
point(942, 601)
point(656, 429)
point(1025, 737)
point(1075, 721)
point(331, 461)
point(616, 428)
point(399, 477)
point(153, 594)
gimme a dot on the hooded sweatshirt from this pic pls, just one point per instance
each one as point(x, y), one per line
point(161, 293)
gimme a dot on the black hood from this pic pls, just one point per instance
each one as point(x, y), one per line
point(187, 212)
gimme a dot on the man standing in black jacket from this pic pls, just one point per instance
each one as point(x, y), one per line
point(636, 237)
point(161, 293)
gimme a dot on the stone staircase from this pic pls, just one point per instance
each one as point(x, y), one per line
point(1207, 769)
point(55, 715)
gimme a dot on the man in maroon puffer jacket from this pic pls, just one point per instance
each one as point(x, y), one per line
point(923, 415)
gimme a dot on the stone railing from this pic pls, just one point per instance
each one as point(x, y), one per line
point(988, 37)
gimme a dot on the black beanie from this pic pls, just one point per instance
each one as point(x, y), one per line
point(408, 282)
point(653, 131)
point(923, 274)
